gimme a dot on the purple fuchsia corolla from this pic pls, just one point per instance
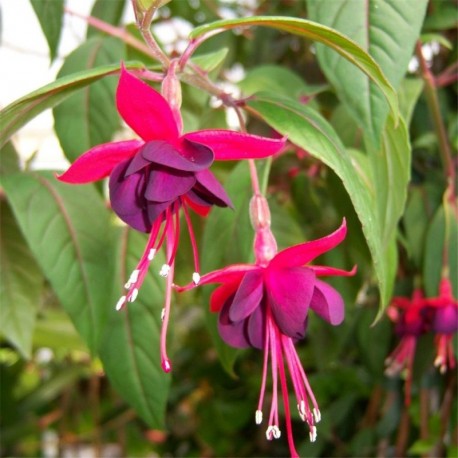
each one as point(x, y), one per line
point(265, 306)
point(152, 178)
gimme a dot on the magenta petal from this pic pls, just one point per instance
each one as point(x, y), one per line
point(164, 153)
point(290, 292)
point(144, 109)
point(208, 181)
point(230, 145)
point(165, 186)
point(234, 334)
point(298, 255)
point(446, 319)
point(248, 296)
point(98, 162)
point(327, 303)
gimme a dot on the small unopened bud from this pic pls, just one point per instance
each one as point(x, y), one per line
point(259, 212)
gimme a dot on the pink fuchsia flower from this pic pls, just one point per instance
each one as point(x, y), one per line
point(153, 177)
point(445, 325)
point(411, 319)
point(265, 306)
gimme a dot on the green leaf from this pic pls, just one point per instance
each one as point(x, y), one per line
point(68, 230)
point(320, 33)
point(109, 11)
point(211, 60)
point(20, 112)
point(21, 283)
point(385, 172)
point(9, 160)
point(50, 14)
point(409, 92)
point(89, 117)
point(387, 31)
point(130, 346)
point(228, 239)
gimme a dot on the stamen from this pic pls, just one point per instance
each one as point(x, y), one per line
point(132, 279)
point(133, 295)
point(166, 366)
point(273, 432)
point(258, 417)
point(276, 432)
point(196, 278)
point(165, 270)
point(120, 303)
point(151, 254)
point(317, 415)
point(312, 434)
point(192, 238)
point(162, 314)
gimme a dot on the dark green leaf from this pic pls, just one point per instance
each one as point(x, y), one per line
point(89, 117)
point(68, 230)
point(20, 112)
point(109, 11)
point(50, 14)
point(320, 33)
point(387, 31)
point(21, 283)
point(130, 346)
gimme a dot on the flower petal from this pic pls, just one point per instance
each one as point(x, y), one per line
point(299, 255)
point(256, 328)
point(202, 209)
point(164, 153)
point(446, 320)
point(144, 109)
point(221, 294)
point(210, 184)
point(234, 334)
point(248, 296)
point(290, 292)
point(332, 271)
point(327, 303)
point(155, 209)
point(230, 145)
point(164, 186)
point(98, 162)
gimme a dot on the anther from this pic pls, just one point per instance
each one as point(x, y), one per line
point(196, 278)
point(165, 269)
point(312, 434)
point(166, 367)
point(276, 432)
point(300, 412)
point(317, 415)
point(151, 254)
point(162, 314)
point(258, 417)
point(132, 279)
point(120, 303)
point(133, 296)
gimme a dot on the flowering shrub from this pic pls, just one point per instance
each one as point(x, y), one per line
point(181, 176)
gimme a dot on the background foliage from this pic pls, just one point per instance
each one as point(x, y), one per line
point(363, 144)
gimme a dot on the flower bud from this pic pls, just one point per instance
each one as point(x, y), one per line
point(259, 212)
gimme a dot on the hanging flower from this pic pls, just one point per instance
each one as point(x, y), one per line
point(411, 319)
point(153, 177)
point(444, 324)
point(265, 306)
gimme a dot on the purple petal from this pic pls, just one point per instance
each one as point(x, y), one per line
point(248, 296)
point(155, 209)
point(209, 182)
point(290, 292)
point(164, 153)
point(137, 163)
point(256, 328)
point(144, 109)
point(446, 319)
point(327, 303)
point(232, 333)
point(98, 162)
point(164, 186)
point(197, 198)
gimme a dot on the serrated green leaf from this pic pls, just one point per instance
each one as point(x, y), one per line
point(109, 11)
point(130, 350)
point(21, 283)
point(378, 209)
point(20, 112)
point(334, 40)
point(50, 14)
point(387, 30)
point(89, 117)
point(68, 230)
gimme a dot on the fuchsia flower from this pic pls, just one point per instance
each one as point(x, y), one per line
point(265, 306)
point(444, 324)
point(152, 178)
point(411, 319)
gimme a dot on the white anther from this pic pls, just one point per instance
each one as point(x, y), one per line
point(312, 434)
point(300, 413)
point(132, 279)
point(273, 433)
point(258, 417)
point(120, 303)
point(151, 254)
point(134, 295)
point(162, 314)
point(276, 432)
point(165, 270)
point(317, 415)
point(269, 434)
point(302, 408)
point(196, 278)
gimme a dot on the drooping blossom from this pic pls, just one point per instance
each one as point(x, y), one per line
point(265, 306)
point(411, 319)
point(444, 324)
point(164, 171)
